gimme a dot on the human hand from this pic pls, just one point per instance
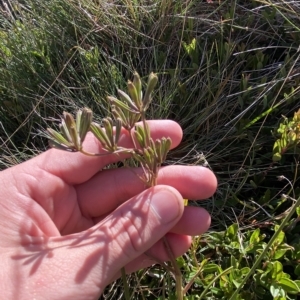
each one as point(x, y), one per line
point(67, 228)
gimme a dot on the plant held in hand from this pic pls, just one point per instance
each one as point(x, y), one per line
point(127, 110)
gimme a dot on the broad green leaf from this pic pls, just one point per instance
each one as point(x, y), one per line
point(281, 250)
point(276, 291)
point(276, 157)
point(235, 245)
point(289, 286)
point(254, 239)
point(232, 231)
point(280, 237)
point(245, 270)
point(191, 47)
point(212, 268)
point(233, 262)
point(277, 146)
point(180, 261)
point(297, 282)
point(259, 290)
point(216, 291)
point(225, 284)
point(216, 236)
point(277, 270)
point(297, 270)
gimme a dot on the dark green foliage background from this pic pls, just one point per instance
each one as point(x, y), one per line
point(228, 71)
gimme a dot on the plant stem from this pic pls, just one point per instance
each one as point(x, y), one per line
point(176, 270)
point(125, 284)
point(143, 117)
point(214, 280)
point(152, 182)
point(118, 151)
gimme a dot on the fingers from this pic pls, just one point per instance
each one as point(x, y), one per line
point(194, 221)
point(99, 253)
point(75, 168)
point(110, 188)
point(158, 253)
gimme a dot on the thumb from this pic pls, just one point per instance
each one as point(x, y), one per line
point(93, 258)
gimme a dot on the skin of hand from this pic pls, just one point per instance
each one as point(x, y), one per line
point(68, 225)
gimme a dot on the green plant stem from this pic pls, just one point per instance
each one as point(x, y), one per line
point(176, 270)
point(125, 284)
point(262, 255)
point(153, 182)
point(145, 126)
point(213, 281)
point(190, 283)
point(119, 151)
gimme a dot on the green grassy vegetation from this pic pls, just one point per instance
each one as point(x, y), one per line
point(228, 74)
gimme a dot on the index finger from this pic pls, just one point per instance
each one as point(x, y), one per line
point(75, 168)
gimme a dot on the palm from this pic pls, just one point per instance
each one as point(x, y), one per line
point(61, 215)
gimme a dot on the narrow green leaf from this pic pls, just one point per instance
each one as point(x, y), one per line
point(139, 158)
point(108, 126)
point(166, 147)
point(65, 131)
point(134, 95)
point(152, 146)
point(75, 137)
point(234, 263)
point(58, 138)
point(83, 122)
point(124, 97)
point(100, 135)
point(147, 133)
point(54, 144)
point(120, 104)
point(118, 130)
point(138, 85)
point(139, 139)
point(158, 146)
point(142, 133)
point(69, 120)
point(152, 81)
point(121, 114)
point(147, 157)
point(133, 119)
point(78, 119)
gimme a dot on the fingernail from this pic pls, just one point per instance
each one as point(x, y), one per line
point(165, 205)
